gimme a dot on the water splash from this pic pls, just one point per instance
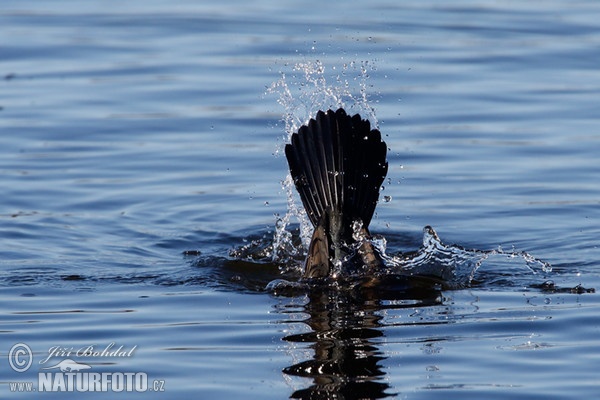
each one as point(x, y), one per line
point(302, 93)
point(453, 264)
point(282, 239)
point(310, 87)
point(441, 265)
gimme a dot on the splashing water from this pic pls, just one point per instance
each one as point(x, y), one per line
point(302, 94)
point(284, 248)
point(307, 90)
point(444, 266)
point(453, 264)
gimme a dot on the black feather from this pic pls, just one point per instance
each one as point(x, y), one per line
point(338, 164)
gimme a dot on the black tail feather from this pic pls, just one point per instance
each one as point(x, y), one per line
point(338, 163)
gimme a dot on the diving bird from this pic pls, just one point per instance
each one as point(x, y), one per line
point(338, 164)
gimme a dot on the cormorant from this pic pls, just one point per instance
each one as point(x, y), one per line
point(338, 164)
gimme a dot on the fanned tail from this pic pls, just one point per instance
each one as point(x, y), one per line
point(338, 164)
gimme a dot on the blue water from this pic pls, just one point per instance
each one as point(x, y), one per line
point(141, 175)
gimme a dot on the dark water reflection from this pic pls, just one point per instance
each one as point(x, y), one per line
point(345, 332)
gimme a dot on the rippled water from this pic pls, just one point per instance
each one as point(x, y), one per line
point(142, 177)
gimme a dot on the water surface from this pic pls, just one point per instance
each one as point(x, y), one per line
point(141, 175)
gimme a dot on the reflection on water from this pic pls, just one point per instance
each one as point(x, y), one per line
point(345, 331)
point(344, 326)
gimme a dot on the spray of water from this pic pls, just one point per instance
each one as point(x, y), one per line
point(310, 87)
point(454, 264)
point(306, 89)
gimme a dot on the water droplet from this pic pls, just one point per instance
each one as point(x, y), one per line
point(357, 233)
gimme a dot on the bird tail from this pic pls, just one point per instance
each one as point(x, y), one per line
point(338, 164)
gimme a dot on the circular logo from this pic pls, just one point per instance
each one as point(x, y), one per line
point(20, 357)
